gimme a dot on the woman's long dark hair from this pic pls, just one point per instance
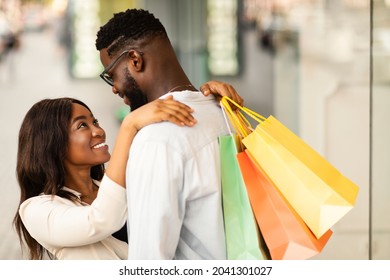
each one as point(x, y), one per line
point(42, 147)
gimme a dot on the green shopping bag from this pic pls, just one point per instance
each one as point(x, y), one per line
point(243, 238)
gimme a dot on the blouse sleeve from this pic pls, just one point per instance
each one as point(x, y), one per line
point(58, 222)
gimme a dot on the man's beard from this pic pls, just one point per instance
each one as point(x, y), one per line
point(132, 91)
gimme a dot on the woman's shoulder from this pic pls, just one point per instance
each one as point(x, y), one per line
point(46, 199)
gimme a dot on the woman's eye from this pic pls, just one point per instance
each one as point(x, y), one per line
point(81, 125)
point(96, 122)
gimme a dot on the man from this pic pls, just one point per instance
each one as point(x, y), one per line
point(173, 173)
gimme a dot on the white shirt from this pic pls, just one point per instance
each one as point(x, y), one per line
point(174, 186)
point(71, 231)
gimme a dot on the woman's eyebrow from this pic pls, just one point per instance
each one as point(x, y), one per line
point(81, 117)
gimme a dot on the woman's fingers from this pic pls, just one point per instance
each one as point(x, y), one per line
point(220, 89)
point(160, 110)
point(174, 111)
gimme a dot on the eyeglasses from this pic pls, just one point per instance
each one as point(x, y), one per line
point(105, 76)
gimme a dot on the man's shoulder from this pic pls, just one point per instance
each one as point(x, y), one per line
point(183, 138)
point(209, 122)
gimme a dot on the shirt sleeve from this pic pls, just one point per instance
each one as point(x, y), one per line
point(156, 208)
point(53, 221)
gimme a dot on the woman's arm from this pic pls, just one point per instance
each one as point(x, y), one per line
point(158, 110)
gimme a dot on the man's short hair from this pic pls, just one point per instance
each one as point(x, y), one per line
point(127, 28)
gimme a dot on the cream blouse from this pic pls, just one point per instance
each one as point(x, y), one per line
point(74, 231)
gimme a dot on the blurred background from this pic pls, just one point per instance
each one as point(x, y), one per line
point(319, 66)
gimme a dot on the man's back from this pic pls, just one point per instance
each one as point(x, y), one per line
point(174, 187)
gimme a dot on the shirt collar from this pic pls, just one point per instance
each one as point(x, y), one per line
point(187, 94)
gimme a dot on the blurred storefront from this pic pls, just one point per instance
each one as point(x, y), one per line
point(83, 19)
point(380, 135)
point(307, 62)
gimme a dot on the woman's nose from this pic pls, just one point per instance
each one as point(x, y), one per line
point(98, 132)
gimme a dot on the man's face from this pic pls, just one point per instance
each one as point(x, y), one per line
point(117, 75)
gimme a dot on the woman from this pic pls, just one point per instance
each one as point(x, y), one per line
point(70, 205)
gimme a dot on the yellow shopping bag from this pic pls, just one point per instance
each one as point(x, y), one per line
point(315, 189)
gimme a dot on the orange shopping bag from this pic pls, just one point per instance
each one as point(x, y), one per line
point(285, 233)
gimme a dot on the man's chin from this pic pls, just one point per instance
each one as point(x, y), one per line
point(126, 101)
point(135, 101)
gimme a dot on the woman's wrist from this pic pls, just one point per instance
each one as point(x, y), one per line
point(129, 124)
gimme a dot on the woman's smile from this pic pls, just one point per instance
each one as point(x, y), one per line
point(100, 146)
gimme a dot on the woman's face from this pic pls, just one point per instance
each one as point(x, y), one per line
point(86, 140)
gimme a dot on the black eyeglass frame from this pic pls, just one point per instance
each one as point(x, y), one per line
point(104, 75)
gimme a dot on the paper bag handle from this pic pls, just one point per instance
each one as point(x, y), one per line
point(240, 123)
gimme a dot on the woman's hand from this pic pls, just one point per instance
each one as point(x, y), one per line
point(220, 89)
point(160, 110)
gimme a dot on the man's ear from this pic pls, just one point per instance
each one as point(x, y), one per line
point(136, 60)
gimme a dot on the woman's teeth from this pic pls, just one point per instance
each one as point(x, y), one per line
point(99, 145)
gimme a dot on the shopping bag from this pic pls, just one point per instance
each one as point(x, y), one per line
point(286, 235)
point(243, 239)
point(315, 189)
